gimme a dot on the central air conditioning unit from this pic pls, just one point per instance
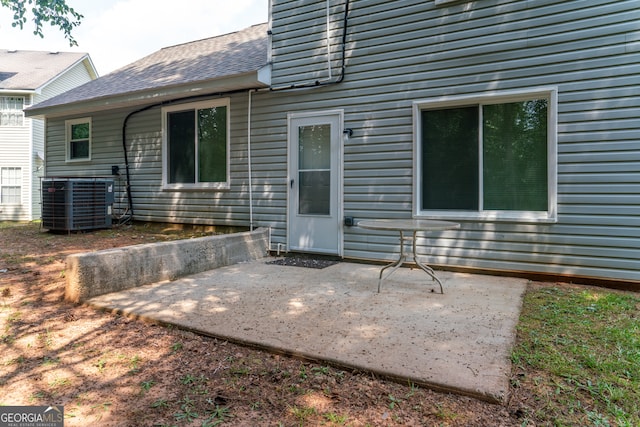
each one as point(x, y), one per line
point(74, 204)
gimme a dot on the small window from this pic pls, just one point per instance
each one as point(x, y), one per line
point(10, 186)
point(78, 139)
point(196, 145)
point(489, 157)
point(11, 111)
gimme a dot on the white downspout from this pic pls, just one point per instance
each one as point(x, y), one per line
point(249, 162)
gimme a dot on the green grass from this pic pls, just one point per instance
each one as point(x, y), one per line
point(10, 224)
point(581, 350)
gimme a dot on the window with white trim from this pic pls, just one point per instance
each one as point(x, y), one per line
point(11, 111)
point(489, 157)
point(10, 186)
point(196, 145)
point(78, 135)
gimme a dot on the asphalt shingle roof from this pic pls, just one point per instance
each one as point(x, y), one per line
point(30, 70)
point(202, 60)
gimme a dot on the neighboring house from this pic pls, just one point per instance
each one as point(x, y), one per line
point(520, 120)
point(30, 77)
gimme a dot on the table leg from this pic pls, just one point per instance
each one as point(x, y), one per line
point(396, 264)
point(425, 267)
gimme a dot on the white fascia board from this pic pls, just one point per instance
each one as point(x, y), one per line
point(7, 92)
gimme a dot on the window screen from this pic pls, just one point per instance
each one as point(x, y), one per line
point(490, 157)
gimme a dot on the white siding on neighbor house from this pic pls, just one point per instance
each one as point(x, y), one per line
point(71, 78)
point(14, 152)
point(399, 52)
point(37, 131)
point(75, 76)
point(19, 145)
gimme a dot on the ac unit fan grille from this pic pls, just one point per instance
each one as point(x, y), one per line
point(75, 204)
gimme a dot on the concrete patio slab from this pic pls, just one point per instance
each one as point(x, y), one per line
point(459, 341)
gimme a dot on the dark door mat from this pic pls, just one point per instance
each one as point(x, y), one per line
point(308, 261)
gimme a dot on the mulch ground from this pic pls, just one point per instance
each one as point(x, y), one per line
point(110, 370)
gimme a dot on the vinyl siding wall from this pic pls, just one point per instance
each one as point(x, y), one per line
point(14, 152)
point(403, 51)
point(400, 52)
point(144, 145)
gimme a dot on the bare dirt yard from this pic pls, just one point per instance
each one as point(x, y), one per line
point(109, 370)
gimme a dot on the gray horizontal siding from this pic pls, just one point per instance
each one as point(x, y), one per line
point(301, 28)
point(398, 52)
point(144, 148)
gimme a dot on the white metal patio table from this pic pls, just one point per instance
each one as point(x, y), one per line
point(412, 226)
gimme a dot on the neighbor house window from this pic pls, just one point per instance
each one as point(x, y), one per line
point(10, 186)
point(196, 145)
point(11, 110)
point(78, 133)
point(487, 157)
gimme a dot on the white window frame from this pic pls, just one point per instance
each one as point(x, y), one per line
point(17, 113)
point(68, 141)
point(215, 186)
point(18, 185)
point(497, 97)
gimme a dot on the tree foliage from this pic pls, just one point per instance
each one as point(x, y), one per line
point(56, 12)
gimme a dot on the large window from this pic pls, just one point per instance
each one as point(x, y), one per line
point(78, 133)
point(196, 145)
point(11, 110)
point(488, 157)
point(10, 186)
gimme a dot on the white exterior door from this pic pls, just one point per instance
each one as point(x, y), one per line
point(315, 182)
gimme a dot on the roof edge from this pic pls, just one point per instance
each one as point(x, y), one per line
point(246, 81)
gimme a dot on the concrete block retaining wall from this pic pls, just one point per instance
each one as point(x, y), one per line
point(96, 273)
